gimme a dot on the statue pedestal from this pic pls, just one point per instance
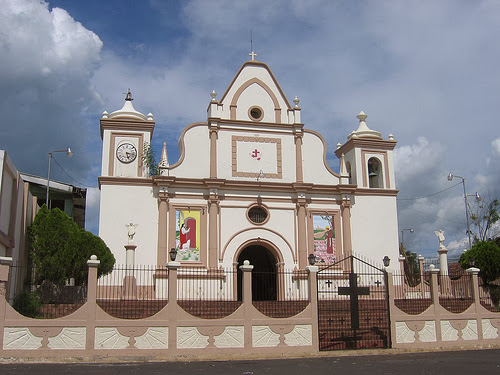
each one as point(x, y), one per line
point(445, 282)
point(443, 260)
point(129, 281)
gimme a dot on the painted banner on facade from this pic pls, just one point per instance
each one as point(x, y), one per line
point(187, 235)
point(324, 239)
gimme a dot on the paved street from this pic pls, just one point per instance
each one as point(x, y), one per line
point(476, 361)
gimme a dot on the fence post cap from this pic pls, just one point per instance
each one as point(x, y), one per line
point(93, 261)
point(246, 266)
point(312, 268)
point(473, 270)
point(173, 265)
point(433, 269)
point(6, 260)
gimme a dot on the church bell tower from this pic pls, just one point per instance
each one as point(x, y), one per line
point(126, 134)
point(367, 158)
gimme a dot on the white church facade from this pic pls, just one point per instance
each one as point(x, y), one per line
point(251, 183)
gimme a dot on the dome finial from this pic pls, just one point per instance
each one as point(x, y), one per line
point(129, 96)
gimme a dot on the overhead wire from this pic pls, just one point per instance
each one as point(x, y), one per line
point(430, 195)
point(67, 174)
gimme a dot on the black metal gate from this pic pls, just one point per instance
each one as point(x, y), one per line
point(353, 309)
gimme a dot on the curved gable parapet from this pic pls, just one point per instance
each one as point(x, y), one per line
point(194, 147)
point(315, 165)
point(255, 86)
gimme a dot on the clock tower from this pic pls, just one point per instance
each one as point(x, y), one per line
point(124, 134)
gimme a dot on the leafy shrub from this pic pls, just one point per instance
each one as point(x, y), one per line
point(28, 304)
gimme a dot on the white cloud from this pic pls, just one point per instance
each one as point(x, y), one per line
point(47, 61)
point(496, 146)
point(456, 248)
point(416, 160)
point(429, 78)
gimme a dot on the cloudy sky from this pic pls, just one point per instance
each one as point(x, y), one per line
point(425, 71)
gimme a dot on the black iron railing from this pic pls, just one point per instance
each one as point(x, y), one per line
point(33, 296)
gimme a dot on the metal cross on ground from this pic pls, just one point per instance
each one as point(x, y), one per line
point(353, 291)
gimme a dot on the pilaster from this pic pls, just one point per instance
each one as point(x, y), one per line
point(213, 129)
point(346, 226)
point(301, 230)
point(162, 228)
point(298, 135)
point(213, 213)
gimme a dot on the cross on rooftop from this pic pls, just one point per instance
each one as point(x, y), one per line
point(252, 54)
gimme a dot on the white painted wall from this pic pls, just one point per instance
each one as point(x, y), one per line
point(249, 72)
point(122, 169)
point(122, 205)
point(314, 168)
point(280, 230)
point(255, 95)
point(224, 156)
point(374, 229)
point(196, 163)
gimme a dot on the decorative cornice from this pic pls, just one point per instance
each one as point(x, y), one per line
point(301, 187)
point(242, 185)
point(127, 125)
point(129, 181)
point(214, 182)
point(163, 181)
point(366, 143)
point(258, 125)
point(377, 192)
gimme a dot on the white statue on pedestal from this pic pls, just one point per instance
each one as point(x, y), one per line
point(131, 232)
point(441, 238)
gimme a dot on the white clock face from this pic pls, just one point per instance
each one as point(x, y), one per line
point(126, 153)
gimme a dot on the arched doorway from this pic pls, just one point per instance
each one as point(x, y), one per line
point(264, 274)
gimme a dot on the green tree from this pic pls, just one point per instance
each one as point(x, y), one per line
point(484, 214)
point(486, 256)
point(59, 249)
point(149, 158)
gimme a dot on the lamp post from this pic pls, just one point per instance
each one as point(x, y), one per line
point(387, 261)
point(69, 153)
point(311, 259)
point(173, 254)
point(450, 177)
point(410, 229)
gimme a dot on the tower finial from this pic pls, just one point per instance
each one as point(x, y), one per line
point(129, 96)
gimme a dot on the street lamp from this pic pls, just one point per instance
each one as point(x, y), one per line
point(386, 261)
point(69, 153)
point(410, 229)
point(450, 177)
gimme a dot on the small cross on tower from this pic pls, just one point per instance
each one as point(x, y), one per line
point(252, 54)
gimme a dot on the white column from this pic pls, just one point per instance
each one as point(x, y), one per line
point(443, 261)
